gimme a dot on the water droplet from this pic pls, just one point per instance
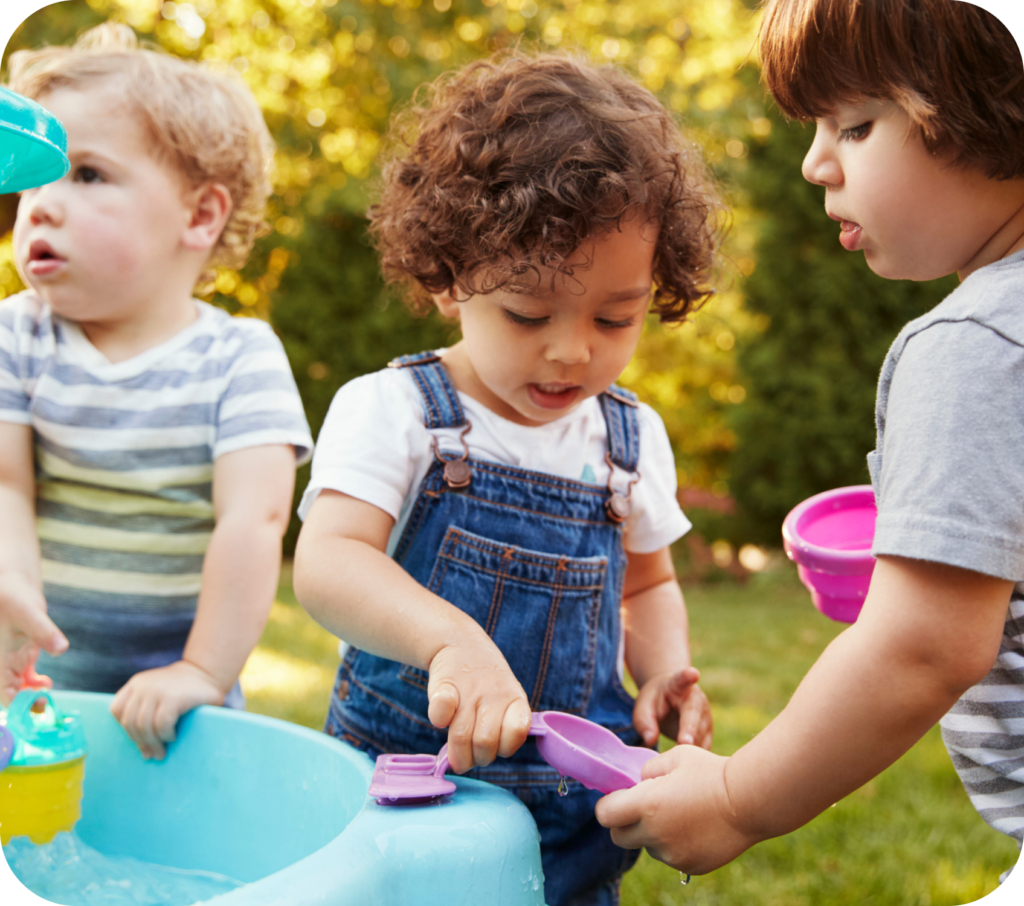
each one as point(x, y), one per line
point(563, 787)
point(684, 878)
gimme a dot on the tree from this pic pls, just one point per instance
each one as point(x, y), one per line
point(808, 421)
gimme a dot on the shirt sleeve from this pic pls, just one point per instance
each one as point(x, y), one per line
point(260, 403)
point(371, 443)
point(950, 473)
point(656, 519)
point(14, 397)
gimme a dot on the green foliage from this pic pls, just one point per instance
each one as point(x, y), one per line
point(808, 420)
point(337, 320)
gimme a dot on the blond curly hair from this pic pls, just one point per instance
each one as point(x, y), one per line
point(206, 125)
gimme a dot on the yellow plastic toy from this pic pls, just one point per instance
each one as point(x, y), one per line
point(44, 754)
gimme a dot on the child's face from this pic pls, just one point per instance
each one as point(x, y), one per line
point(912, 215)
point(102, 243)
point(534, 357)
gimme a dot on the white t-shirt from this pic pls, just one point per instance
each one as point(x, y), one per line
point(373, 446)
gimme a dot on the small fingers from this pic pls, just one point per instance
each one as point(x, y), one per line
point(695, 719)
point(165, 720)
point(620, 811)
point(515, 727)
point(444, 702)
point(646, 719)
point(460, 741)
point(662, 764)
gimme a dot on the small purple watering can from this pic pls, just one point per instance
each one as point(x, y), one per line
point(829, 538)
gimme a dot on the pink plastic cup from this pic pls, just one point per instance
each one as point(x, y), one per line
point(829, 538)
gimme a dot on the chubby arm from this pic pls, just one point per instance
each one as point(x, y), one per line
point(24, 625)
point(252, 496)
point(658, 653)
point(351, 587)
point(927, 633)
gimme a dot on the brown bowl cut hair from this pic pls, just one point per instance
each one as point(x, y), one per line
point(498, 172)
point(954, 68)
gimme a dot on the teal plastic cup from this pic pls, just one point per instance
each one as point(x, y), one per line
point(33, 144)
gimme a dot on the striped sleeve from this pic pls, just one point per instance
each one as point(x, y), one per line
point(260, 403)
point(14, 399)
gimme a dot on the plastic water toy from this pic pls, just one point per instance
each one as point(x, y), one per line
point(285, 810)
point(573, 746)
point(829, 537)
point(41, 785)
point(33, 144)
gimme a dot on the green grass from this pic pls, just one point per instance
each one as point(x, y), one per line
point(910, 837)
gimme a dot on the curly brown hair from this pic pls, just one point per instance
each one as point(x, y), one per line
point(504, 168)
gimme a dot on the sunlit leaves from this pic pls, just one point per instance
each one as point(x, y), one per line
point(328, 73)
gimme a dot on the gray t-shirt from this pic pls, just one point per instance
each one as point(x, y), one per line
point(948, 473)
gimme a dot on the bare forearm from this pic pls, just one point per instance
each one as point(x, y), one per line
point(852, 716)
point(360, 594)
point(240, 575)
point(657, 631)
point(927, 633)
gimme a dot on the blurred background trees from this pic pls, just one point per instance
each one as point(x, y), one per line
point(767, 394)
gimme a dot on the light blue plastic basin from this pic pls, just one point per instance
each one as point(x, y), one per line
point(285, 809)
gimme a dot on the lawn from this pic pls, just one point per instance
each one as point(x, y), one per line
point(908, 838)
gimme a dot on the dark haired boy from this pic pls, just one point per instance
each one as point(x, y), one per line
point(919, 106)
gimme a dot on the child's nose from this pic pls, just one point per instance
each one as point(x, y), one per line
point(43, 205)
point(570, 347)
point(820, 165)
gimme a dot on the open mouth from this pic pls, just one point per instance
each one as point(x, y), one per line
point(42, 259)
point(554, 396)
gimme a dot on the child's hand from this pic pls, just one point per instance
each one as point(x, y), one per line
point(675, 705)
point(149, 704)
point(473, 692)
point(680, 812)
point(24, 628)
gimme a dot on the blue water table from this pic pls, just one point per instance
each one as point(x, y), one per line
point(285, 809)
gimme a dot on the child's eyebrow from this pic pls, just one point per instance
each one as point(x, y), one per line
point(628, 295)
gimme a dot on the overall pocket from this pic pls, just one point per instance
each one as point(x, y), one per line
point(540, 609)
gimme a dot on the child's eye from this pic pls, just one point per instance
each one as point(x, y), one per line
point(614, 325)
point(855, 133)
point(523, 320)
point(87, 174)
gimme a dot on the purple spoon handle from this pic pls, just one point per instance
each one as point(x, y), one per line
point(442, 762)
point(537, 728)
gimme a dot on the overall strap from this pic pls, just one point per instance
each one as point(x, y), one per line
point(440, 398)
point(620, 414)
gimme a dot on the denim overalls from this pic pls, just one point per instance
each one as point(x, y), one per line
point(538, 562)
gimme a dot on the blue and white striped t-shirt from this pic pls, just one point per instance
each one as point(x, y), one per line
point(124, 465)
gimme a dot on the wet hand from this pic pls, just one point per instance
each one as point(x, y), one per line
point(149, 704)
point(673, 704)
point(680, 812)
point(474, 693)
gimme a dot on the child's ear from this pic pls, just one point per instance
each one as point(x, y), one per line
point(446, 304)
point(209, 208)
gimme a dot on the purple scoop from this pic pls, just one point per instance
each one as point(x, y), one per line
point(573, 746)
point(829, 537)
